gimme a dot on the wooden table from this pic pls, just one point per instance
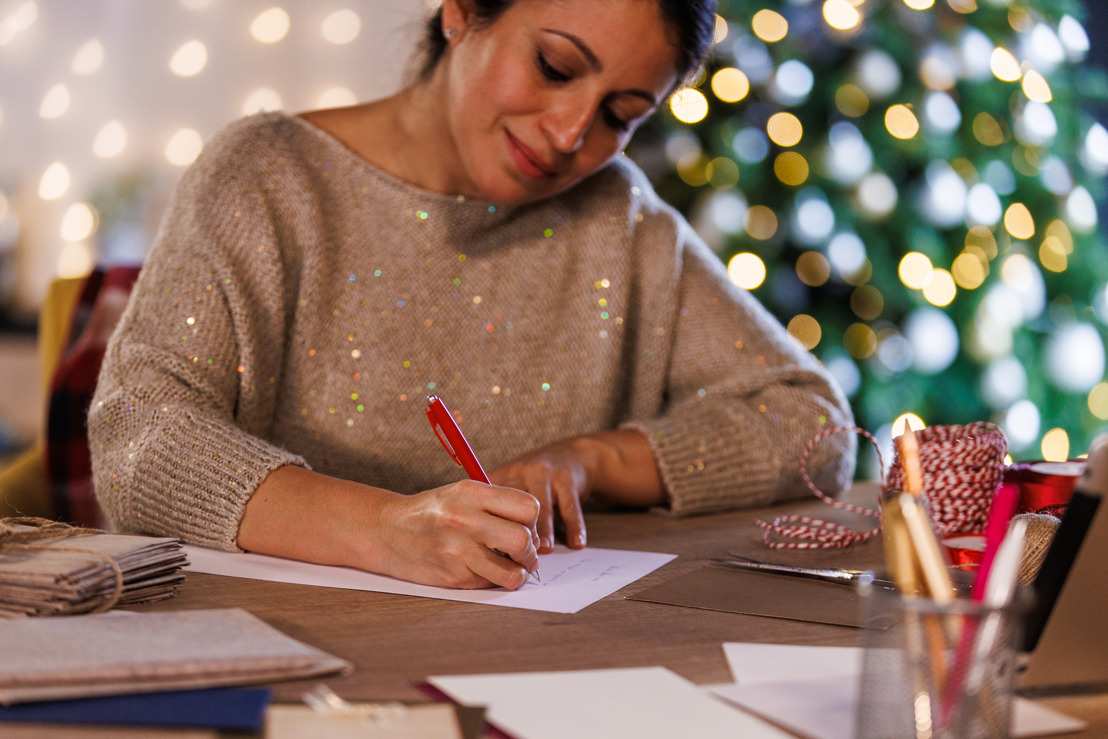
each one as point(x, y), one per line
point(395, 641)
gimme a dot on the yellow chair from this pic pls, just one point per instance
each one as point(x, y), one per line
point(24, 486)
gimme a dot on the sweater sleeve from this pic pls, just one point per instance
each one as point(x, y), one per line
point(742, 398)
point(188, 386)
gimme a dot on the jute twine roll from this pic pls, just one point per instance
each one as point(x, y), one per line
point(1041, 528)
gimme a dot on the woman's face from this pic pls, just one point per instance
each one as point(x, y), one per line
point(550, 92)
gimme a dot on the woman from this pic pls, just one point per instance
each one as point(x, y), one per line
point(477, 236)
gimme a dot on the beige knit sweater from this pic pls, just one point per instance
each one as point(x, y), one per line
point(299, 305)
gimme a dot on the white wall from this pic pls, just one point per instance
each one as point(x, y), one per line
point(135, 86)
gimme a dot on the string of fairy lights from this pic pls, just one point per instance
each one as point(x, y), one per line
point(909, 185)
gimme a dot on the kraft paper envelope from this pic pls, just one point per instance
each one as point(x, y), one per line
point(761, 594)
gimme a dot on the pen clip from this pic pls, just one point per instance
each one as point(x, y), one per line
point(438, 432)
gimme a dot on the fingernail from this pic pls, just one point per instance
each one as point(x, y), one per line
point(580, 539)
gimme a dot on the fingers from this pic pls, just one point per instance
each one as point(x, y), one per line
point(557, 488)
point(461, 536)
point(537, 483)
point(499, 570)
point(508, 528)
point(557, 478)
point(569, 508)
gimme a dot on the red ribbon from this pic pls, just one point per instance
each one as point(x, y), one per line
point(1045, 487)
point(965, 550)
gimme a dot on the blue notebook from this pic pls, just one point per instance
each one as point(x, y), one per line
point(227, 709)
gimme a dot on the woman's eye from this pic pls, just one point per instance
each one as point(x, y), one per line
point(548, 70)
point(614, 121)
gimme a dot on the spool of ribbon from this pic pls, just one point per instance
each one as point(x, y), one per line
point(1045, 487)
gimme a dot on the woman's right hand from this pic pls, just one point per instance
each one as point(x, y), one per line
point(463, 535)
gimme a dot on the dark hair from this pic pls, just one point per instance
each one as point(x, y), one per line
point(693, 20)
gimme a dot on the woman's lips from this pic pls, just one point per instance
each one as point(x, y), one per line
point(527, 160)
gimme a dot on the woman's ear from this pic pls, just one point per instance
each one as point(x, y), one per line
point(456, 15)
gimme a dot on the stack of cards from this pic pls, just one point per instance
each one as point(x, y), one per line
point(58, 576)
point(123, 652)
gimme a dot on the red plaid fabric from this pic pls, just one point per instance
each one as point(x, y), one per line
point(68, 461)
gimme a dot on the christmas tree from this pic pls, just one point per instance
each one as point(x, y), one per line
point(910, 186)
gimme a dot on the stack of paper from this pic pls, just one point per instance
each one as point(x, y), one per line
point(123, 652)
point(50, 577)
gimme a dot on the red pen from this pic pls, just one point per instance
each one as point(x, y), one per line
point(452, 440)
point(450, 436)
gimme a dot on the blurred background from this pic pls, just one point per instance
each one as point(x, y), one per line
point(916, 188)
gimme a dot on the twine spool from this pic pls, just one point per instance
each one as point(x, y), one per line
point(1041, 528)
point(962, 467)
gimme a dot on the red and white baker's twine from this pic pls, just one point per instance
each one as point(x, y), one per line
point(962, 466)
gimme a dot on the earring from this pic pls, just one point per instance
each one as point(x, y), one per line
point(449, 33)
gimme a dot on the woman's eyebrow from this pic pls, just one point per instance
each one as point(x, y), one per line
point(594, 62)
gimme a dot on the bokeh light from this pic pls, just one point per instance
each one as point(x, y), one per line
point(746, 270)
point(1036, 88)
point(270, 26)
point(915, 270)
point(841, 15)
point(336, 97)
point(860, 341)
point(342, 26)
point(183, 147)
point(806, 330)
point(791, 168)
point(189, 59)
point(1005, 65)
point(941, 289)
point(262, 99)
point(730, 85)
point(79, 222)
point(901, 121)
point(1074, 357)
point(769, 25)
point(1018, 221)
point(89, 58)
point(1056, 445)
point(760, 222)
point(688, 105)
point(914, 422)
point(1098, 401)
point(55, 103)
point(110, 140)
point(54, 182)
point(813, 269)
point(784, 129)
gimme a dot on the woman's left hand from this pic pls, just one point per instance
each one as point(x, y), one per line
point(617, 466)
point(558, 476)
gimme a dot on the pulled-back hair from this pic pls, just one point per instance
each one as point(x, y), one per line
point(693, 21)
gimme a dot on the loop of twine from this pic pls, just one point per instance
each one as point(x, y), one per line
point(805, 532)
point(962, 467)
point(42, 529)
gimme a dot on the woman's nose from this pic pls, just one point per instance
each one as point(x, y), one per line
point(567, 126)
